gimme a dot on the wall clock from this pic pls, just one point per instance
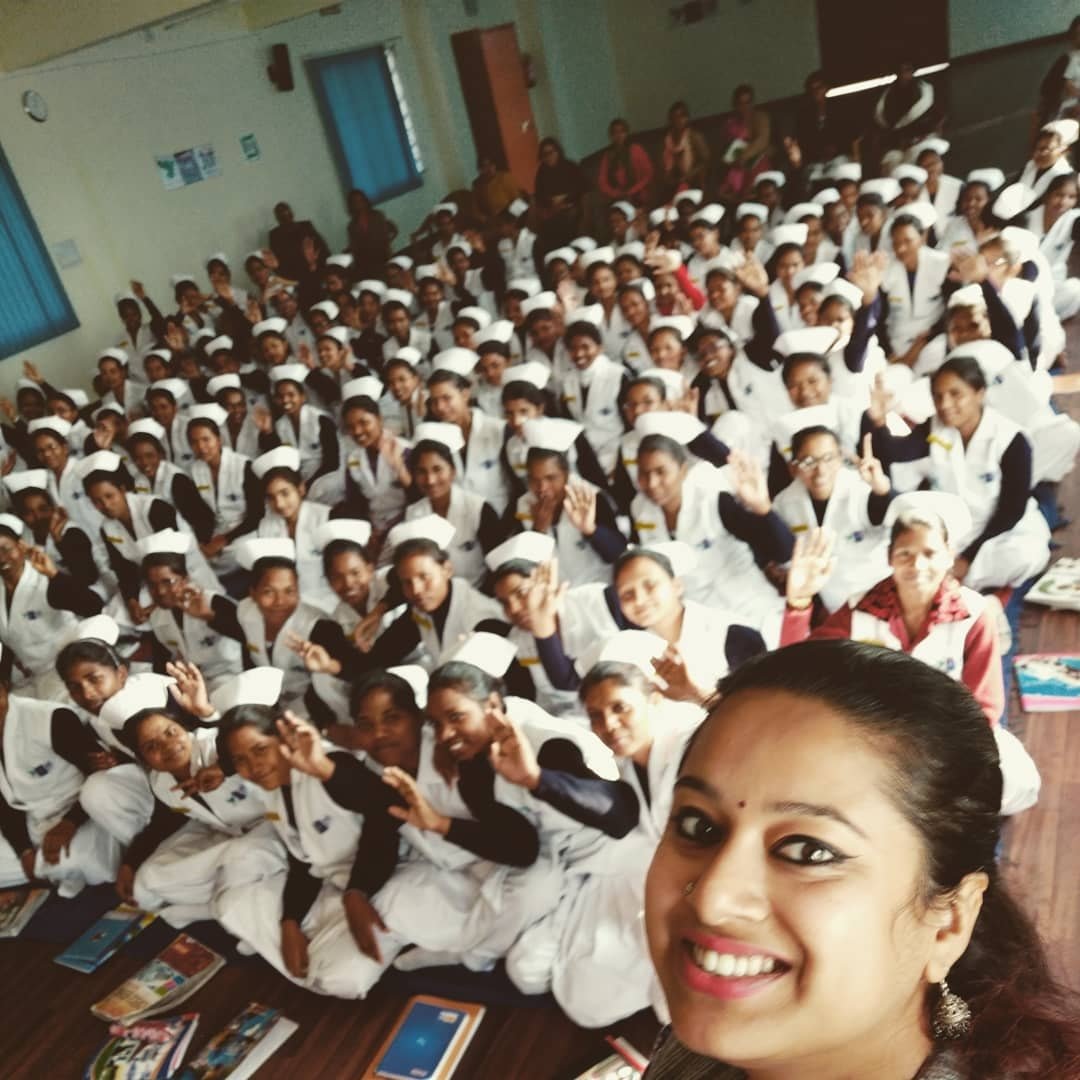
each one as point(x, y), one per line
point(35, 106)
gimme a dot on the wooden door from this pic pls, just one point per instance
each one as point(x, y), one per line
point(497, 99)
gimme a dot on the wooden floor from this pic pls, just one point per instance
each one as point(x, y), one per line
point(48, 1031)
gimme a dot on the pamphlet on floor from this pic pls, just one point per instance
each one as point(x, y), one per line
point(1048, 682)
point(171, 977)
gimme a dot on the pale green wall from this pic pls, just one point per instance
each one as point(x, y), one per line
point(771, 44)
point(975, 25)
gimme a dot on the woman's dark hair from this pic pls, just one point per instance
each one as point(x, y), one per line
point(742, 88)
point(1059, 182)
point(361, 402)
point(442, 375)
point(263, 566)
point(637, 285)
point(129, 733)
point(654, 334)
point(901, 220)
point(282, 472)
point(18, 498)
point(261, 717)
point(774, 259)
point(617, 670)
point(618, 120)
point(152, 439)
point(796, 360)
point(870, 198)
point(470, 680)
point(549, 141)
point(89, 651)
point(433, 446)
point(632, 553)
point(522, 567)
point(419, 545)
point(341, 547)
point(206, 423)
point(544, 453)
point(663, 444)
point(945, 778)
point(835, 298)
point(401, 693)
point(118, 477)
point(174, 560)
point(811, 432)
point(520, 389)
point(583, 328)
point(966, 368)
point(649, 380)
point(390, 306)
point(678, 106)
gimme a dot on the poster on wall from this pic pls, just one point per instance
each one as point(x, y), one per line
point(169, 171)
point(208, 160)
point(250, 146)
point(188, 165)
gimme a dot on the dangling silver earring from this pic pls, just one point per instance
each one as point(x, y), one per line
point(688, 888)
point(952, 1015)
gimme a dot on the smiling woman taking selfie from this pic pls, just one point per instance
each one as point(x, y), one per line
point(846, 920)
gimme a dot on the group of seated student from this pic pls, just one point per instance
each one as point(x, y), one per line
point(371, 618)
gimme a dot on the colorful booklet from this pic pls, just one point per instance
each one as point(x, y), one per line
point(244, 1044)
point(17, 907)
point(105, 938)
point(171, 977)
point(1048, 682)
point(148, 1050)
point(428, 1041)
point(627, 1063)
point(1059, 587)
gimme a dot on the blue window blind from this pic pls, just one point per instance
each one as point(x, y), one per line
point(33, 304)
point(367, 121)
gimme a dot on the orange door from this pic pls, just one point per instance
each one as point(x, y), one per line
point(497, 99)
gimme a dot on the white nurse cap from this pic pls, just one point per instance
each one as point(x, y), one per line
point(281, 457)
point(527, 546)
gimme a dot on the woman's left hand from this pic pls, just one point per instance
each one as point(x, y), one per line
point(512, 756)
point(751, 487)
point(57, 840)
point(316, 659)
point(302, 748)
point(671, 667)
point(870, 469)
point(579, 506)
point(189, 690)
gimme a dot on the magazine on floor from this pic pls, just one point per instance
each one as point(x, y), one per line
point(17, 908)
point(171, 977)
point(1048, 682)
point(245, 1043)
point(148, 1050)
point(1059, 587)
point(105, 938)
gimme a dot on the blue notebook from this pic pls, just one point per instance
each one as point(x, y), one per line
point(104, 938)
point(429, 1040)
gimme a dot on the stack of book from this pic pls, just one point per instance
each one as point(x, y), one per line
point(1059, 587)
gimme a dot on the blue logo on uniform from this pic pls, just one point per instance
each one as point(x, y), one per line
point(607, 410)
point(856, 537)
point(315, 446)
point(31, 615)
point(705, 544)
point(488, 463)
point(42, 770)
point(582, 544)
point(322, 825)
point(987, 477)
point(208, 642)
point(468, 545)
point(233, 497)
point(239, 794)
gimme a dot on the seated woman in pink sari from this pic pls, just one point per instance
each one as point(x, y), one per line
point(747, 135)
